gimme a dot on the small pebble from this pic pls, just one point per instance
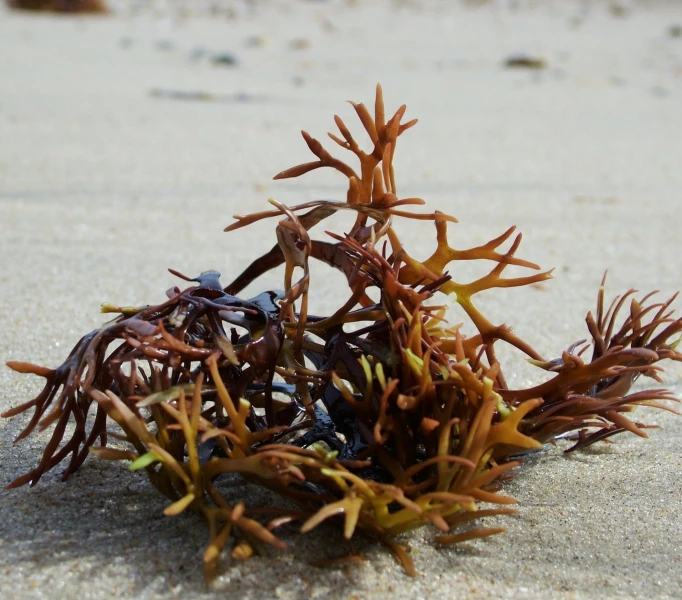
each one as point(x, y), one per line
point(224, 59)
point(524, 61)
point(675, 31)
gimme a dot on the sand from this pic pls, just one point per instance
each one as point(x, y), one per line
point(127, 143)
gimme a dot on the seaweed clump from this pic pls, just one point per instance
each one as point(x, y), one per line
point(380, 417)
point(60, 6)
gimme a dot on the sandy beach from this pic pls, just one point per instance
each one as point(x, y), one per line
point(128, 141)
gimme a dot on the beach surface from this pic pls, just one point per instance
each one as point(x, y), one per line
point(128, 141)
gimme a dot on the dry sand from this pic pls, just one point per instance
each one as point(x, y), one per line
point(107, 178)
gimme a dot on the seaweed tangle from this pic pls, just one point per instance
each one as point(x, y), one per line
point(379, 418)
point(60, 6)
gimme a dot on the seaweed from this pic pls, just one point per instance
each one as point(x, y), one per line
point(378, 418)
point(60, 6)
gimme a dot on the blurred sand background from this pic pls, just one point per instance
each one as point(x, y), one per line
point(128, 141)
